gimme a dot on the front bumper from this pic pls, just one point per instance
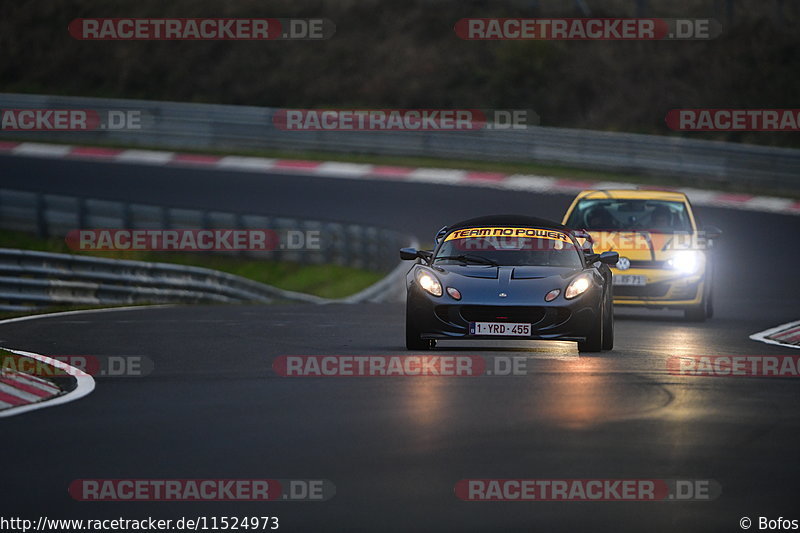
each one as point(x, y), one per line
point(446, 318)
point(664, 288)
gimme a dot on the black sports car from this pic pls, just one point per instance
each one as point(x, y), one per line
point(509, 276)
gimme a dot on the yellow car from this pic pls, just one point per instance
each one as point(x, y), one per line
point(664, 258)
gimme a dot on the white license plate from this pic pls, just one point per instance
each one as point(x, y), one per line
point(500, 329)
point(627, 280)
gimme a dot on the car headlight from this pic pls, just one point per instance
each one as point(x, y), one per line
point(685, 261)
point(429, 283)
point(577, 287)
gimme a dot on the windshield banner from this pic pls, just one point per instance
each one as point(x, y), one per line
point(529, 233)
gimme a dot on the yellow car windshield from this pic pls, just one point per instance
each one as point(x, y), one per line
point(609, 214)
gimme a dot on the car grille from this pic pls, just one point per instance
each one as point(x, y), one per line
point(684, 292)
point(487, 313)
point(540, 316)
point(659, 290)
point(652, 290)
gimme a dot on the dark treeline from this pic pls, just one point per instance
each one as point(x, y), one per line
point(406, 54)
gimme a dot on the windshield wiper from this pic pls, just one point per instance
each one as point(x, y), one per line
point(468, 258)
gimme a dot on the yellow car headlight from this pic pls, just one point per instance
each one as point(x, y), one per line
point(686, 261)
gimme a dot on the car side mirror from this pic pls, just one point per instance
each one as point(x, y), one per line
point(608, 258)
point(410, 254)
point(712, 232)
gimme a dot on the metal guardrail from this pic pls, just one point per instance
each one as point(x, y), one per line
point(48, 215)
point(30, 280)
point(204, 126)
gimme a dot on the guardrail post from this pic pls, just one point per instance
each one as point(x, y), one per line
point(41, 217)
point(355, 246)
point(371, 252)
point(81, 212)
point(334, 246)
point(126, 216)
point(240, 224)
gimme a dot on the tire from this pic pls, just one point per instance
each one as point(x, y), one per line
point(710, 305)
point(594, 340)
point(705, 309)
point(699, 312)
point(413, 340)
point(696, 313)
point(608, 326)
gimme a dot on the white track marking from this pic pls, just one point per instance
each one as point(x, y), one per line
point(80, 312)
point(762, 335)
point(149, 157)
point(23, 380)
point(42, 150)
point(769, 203)
point(335, 169)
point(85, 382)
point(19, 393)
point(526, 182)
point(613, 185)
point(248, 164)
point(442, 176)
point(437, 175)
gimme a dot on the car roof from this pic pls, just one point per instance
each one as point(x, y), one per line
point(633, 194)
point(508, 220)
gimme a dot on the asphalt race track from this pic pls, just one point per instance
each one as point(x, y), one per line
point(395, 447)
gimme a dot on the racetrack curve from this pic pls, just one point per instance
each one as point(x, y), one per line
point(395, 447)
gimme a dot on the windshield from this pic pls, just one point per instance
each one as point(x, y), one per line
point(606, 214)
point(509, 246)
